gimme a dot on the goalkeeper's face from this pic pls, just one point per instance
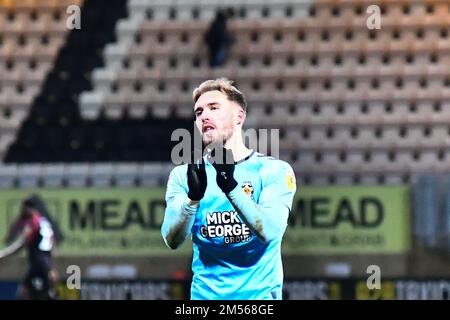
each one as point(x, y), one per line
point(216, 117)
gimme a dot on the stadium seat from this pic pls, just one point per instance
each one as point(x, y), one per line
point(9, 175)
point(52, 175)
point(76, 175)
point(125, 175)
point(101, 175)
point(29, 175)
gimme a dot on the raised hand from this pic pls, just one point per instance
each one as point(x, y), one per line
point(223, 161)
point(196, 179)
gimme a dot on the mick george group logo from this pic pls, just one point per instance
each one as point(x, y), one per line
point(225, 224)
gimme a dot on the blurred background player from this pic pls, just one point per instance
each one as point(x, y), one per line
point(33, 231)
point(235, 202)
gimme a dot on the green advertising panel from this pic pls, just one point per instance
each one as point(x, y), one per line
point(325, 220)
point(349, 220)
point(101, 221)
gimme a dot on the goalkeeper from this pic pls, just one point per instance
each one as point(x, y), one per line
point(233, 201)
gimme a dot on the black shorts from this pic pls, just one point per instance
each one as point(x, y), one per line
point(37, 279)
point(38, 284)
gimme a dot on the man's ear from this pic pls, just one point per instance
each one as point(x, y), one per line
point(240, 116)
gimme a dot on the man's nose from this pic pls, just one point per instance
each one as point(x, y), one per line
point(205, 116)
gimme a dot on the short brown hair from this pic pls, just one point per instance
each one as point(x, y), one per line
point(223, 85)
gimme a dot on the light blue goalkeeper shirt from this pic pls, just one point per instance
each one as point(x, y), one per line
point(236, 237)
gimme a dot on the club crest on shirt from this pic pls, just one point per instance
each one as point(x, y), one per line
point(248, 188)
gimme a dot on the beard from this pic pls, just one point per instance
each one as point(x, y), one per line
point(217, 138)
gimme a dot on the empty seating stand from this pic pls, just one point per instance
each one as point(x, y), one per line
point(31, 34)
point(309, 68)
point(352, 105)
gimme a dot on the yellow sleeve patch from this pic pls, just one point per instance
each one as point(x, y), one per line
point(290, 180)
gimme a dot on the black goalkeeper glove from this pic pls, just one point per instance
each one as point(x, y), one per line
point(196, 179)
point(223, 161)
